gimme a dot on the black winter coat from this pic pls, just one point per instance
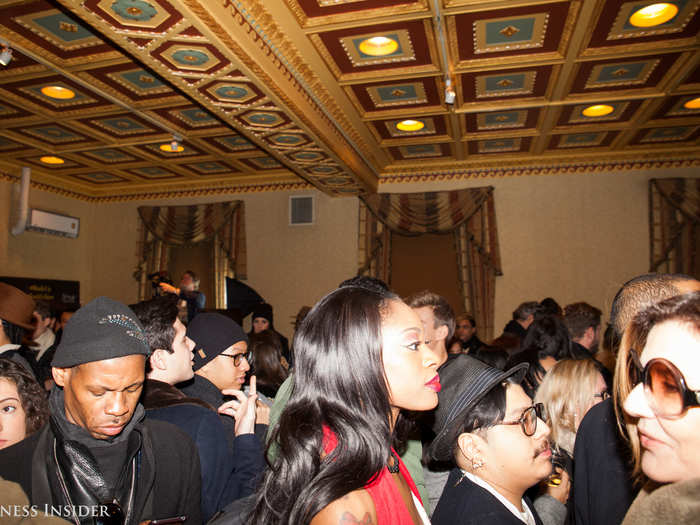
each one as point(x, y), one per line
point(168, 483)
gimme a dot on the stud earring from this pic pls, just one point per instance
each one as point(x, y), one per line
point(477, 464)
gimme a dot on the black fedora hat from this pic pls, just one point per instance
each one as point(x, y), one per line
point(465, 382)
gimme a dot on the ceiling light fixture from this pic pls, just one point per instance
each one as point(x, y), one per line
point(51, 159)
point(450, 94)
point(653, 14)
point(58, 92)
point(693, 103)
point(378, 46)
point(6, 53)
point(410, 125)
point(173, 146)
point(598, 110)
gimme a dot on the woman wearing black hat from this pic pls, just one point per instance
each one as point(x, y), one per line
point(262, 319)
point(496, 437)
point(361, 358)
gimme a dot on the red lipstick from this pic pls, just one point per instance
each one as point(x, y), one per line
point(434, 383)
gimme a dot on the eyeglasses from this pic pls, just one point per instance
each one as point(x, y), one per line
point(528, 421)
point(237, 358)
point(664, 386)
point(602, 395)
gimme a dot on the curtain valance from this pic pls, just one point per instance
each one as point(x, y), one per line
point(429, 212)
point(178, 225)
point(468, 214)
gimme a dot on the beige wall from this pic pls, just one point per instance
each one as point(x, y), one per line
point(573, 237)
point(289, 265)
point(45, 256)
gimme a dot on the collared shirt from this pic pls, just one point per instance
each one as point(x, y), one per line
point(525, 516)
point(44, 342)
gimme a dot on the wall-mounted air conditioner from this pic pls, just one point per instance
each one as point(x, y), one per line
point(53, 223)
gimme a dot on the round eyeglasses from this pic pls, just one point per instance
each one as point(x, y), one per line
point(664, 386)
point(237, 358)
point(528, 420)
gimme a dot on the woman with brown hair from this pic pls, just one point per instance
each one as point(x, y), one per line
point(266, 361)
point(23, 405)
point(657, 383)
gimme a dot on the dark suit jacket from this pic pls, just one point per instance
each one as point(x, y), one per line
point(602, 489)
point(466, 503)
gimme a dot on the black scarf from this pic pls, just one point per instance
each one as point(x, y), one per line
point(72, 463)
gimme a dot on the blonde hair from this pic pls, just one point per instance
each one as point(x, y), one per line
point(567, 392)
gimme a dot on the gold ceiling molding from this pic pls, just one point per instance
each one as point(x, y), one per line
point(48, 187)
point(264, 24)
point(206, 16)
point(553, 169)
point(300, 96)
point(202, 192)
point(164, 194)
point(309, 22)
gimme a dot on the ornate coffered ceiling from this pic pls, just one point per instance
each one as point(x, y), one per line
point(279, 93)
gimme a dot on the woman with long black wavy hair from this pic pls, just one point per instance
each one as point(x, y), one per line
point(360, 359)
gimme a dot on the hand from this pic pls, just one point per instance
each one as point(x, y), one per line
point(242, 409)
point(560, 492)
point(169, 288)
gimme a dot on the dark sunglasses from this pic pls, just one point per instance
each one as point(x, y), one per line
point(664, 386)
point(528, 420)
point(237, 358)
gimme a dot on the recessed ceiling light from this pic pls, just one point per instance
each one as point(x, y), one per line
point(410, 125)
point(378, 46)
point(654, 14)
point(50, 159)
point(693, 103)
point(58, 92)
point(598, 110)
point(172, 147)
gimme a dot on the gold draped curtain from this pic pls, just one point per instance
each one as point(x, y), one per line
point(221, 223)
point(674, 225)
point(468, 214)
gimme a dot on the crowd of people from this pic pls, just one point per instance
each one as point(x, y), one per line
point(382, 410)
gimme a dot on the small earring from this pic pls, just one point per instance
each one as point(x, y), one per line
point(477, 464)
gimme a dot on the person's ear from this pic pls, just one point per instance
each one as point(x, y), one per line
point(441, 332)
point(473, 447)
point(61, 375)
point(158, 361)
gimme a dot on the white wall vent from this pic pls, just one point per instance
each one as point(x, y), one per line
point(53, 223)
point(301, 210)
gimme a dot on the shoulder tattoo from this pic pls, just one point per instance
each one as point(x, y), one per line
point(348, 518)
